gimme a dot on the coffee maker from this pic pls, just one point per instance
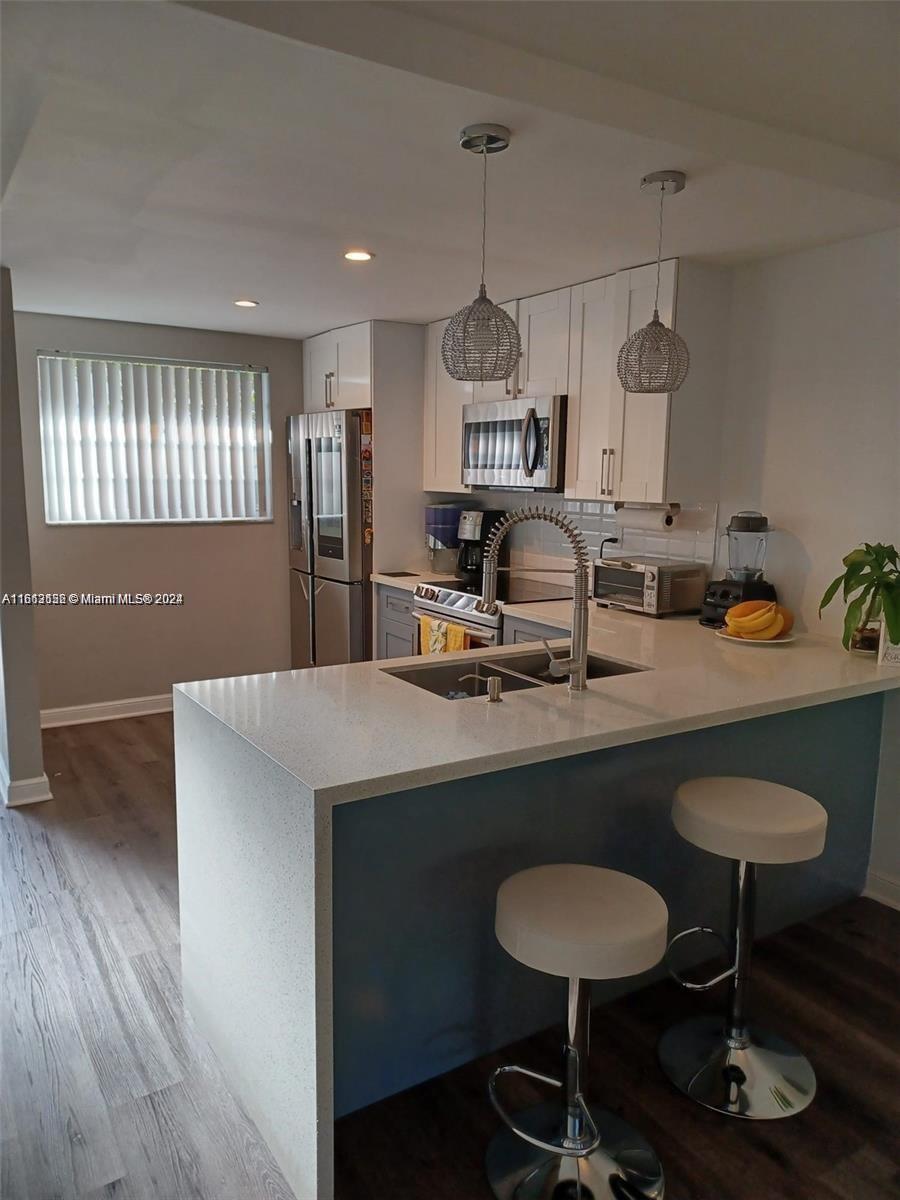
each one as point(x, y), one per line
point(474, 529)
point(442, 536)
point(747, 534)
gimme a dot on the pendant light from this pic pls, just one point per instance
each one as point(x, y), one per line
point(481, 341)
point(655, 358)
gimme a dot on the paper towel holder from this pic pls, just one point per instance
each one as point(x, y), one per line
point(670, 511)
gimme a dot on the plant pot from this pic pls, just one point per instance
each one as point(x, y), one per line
point(864, 639)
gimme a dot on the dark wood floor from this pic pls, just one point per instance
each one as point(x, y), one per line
point(107, 1091)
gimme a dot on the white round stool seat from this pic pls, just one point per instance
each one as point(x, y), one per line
point(581, 922)
point(749, 819)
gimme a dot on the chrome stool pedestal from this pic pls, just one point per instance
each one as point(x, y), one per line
point(732, 1065)
point(568, 1149)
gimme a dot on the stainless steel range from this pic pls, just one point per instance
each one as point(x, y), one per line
point(464, 608)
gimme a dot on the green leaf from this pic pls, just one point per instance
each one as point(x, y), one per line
point(890, 599)
point(851, 618)
point(830, 593)
point(854, 576)
point(856, 556)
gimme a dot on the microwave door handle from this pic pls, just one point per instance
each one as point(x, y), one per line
point(529, 422)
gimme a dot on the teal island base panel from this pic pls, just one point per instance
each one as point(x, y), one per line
point(420, 983)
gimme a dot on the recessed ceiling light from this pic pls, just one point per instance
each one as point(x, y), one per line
point(247, 303)
point(358, 255)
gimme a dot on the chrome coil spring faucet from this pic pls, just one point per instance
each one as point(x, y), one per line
point(576, 665)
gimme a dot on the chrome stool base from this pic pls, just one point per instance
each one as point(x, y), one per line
point(761, 1076)
point(623, 1167)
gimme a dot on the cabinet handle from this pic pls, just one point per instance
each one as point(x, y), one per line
point(609, 473)
point(329, 398)
point(603, 460)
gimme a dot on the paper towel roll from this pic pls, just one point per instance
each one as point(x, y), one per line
point(645, 518)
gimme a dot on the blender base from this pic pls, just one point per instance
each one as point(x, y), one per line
point(722, 594)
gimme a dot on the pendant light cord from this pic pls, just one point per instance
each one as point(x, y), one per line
point(662, 196)
point(483, 206)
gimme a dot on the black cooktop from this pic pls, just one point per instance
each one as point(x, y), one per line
point(512, 589)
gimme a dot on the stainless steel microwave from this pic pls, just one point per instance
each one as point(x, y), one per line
point(517, 443)
point(649, 585)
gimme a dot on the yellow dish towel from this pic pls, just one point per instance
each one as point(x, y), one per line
point(441, 637)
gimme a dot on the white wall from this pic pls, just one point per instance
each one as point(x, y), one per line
point(235, 619)
point(812, 410)
point(22, 777)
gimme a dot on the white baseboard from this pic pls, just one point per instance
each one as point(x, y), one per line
point(883, 888)
point(25, 791)
point(107, 710)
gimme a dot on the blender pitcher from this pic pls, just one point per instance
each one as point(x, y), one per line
point(747, 533)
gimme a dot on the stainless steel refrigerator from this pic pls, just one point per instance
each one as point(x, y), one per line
point(330, 487)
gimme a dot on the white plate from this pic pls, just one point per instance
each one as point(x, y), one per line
point(779, 641)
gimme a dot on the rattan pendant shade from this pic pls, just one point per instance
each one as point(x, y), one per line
point(655, 358)
point(481, 341)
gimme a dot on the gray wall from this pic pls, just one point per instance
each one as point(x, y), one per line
point(234, 577)
point(21, 757)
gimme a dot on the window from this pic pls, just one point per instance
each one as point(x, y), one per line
point(128, 440)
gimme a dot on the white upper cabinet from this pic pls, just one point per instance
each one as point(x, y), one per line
point(337, 369)
point(646, 448)
point(639, 469)
point(353, 367)
point(444, 400)
point(544, 329)
point(318, 371)
point(500, 389)
point(594, 422)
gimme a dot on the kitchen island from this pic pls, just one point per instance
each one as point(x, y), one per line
point(342, 834)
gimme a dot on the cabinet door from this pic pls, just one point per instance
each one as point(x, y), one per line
point(318, 371)
point(596, 400)
point(641, 474)
point(352, 387)
point(516, 632)
point(501, 389)
point(396, 640)
point(544, 329)
point(444, 400)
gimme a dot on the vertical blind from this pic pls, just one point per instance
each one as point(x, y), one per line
point(127, 440)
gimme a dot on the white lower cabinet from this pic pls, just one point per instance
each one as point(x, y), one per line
point(444, 401)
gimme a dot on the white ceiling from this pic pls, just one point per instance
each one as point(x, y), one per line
point(163, 161)
point(825, 70)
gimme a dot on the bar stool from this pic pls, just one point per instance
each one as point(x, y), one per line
point(732, 1066)
point(582, 923)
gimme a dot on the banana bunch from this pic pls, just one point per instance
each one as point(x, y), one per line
point(758, 620)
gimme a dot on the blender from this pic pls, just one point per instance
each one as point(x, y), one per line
point(747, 534)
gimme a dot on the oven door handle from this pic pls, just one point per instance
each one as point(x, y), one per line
point(529, 421)
point(486, 633)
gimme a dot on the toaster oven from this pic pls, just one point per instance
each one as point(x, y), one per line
point(649, 585)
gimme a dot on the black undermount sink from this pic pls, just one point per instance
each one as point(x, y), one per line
point(462, 679)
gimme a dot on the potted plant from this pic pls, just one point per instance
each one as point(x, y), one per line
point(873, 574)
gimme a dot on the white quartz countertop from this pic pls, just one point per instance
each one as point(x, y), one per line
point(408, 580)
point(348, 732)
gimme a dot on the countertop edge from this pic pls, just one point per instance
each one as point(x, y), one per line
point(346, 793)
